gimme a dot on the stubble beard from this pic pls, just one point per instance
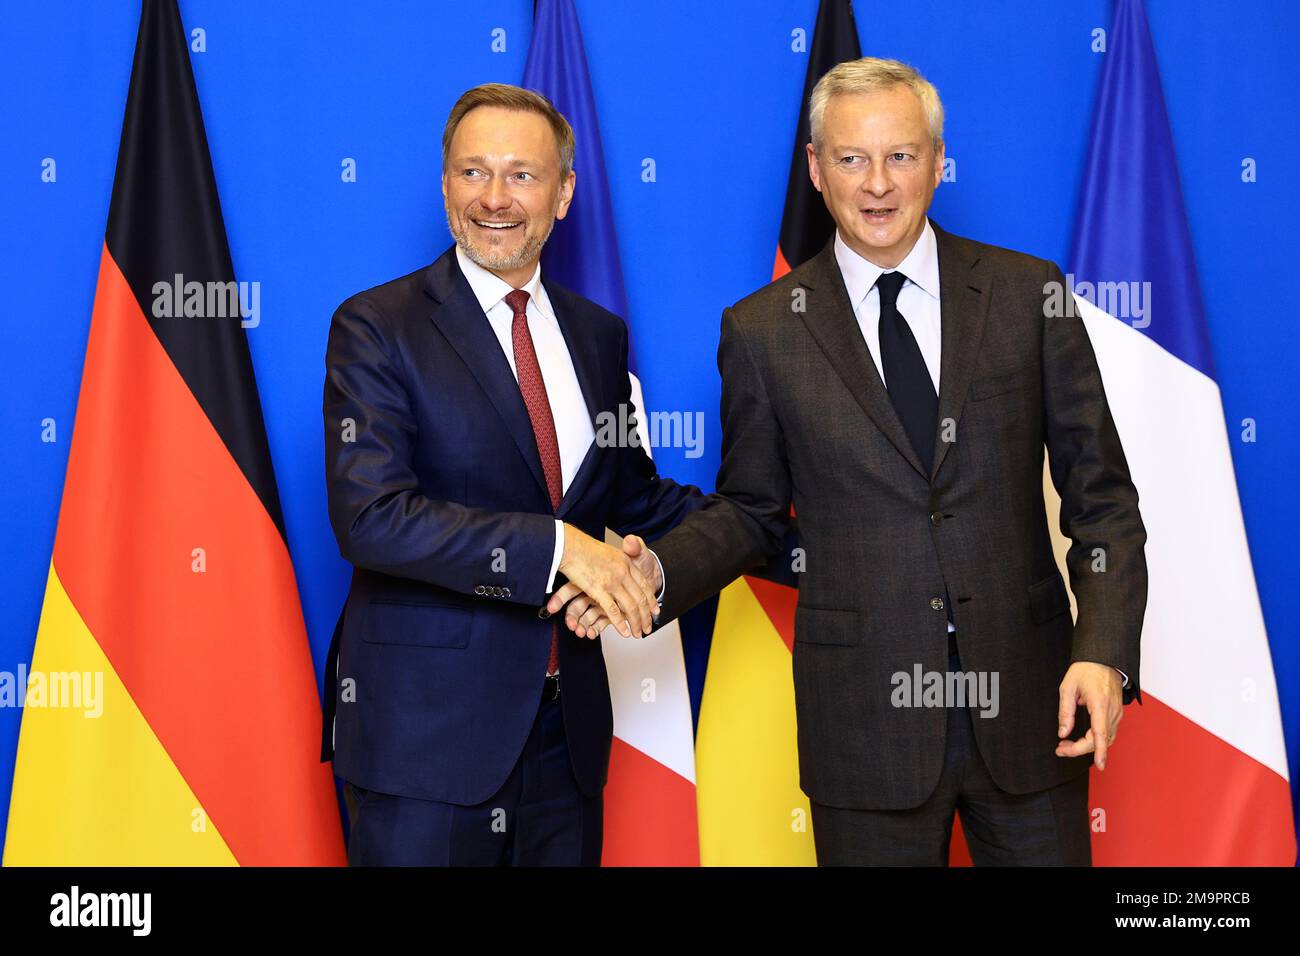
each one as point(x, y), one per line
point(529, 250)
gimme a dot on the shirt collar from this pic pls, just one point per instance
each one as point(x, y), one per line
point(491, 289)
point(921, 266)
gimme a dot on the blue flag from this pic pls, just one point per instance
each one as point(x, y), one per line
point(582, 252)
point(1131, 221)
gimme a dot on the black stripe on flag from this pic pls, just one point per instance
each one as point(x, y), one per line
point(806, 226)
point(165, 220)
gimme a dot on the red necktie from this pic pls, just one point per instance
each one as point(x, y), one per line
point(533, 389)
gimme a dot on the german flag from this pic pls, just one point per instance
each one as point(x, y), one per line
point(806, 225)
point(172, 715)
point(751, 810)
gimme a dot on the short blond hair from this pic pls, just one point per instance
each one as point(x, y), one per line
point(872, 75)
point(511, 98)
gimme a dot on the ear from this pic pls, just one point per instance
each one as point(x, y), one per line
point(814, 171)
point(938, 164)
point(566, 195)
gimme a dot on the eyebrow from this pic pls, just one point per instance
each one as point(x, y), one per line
point(897, 147)
point(483, 161)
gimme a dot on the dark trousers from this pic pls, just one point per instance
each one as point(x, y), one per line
point(1045, 828)
point(539, 817)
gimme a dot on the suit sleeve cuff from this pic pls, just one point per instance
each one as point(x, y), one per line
point(555, 558)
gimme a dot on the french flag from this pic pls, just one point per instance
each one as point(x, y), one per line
point(650, 817)
point(1199, 775)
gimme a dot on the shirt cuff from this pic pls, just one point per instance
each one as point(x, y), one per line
point(1121, 674)
point(555, 558)
point(663, 581)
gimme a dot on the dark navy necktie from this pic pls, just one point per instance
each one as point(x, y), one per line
point(906, 377)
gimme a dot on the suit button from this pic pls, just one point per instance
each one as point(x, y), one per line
point(543, 613)
point(936, 519)
point(505, 592)
point(936, 603)
point(480, 589)
point(496, 592)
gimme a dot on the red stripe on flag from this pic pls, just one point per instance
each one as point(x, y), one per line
point(1174, 794)
point(661, 832)
point(781, 267)
point(778, 603)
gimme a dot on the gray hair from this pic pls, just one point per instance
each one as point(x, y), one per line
point(872, 75)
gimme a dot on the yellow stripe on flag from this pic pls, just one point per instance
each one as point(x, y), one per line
point(97, 790)
point(752, 812)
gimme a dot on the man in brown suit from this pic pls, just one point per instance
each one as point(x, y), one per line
point(899, 389)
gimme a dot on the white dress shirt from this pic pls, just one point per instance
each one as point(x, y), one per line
point(918, 300)
point(918, 303)
point(574, 432)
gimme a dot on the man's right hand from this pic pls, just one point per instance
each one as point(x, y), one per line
point(582, 615)
point(611, 579)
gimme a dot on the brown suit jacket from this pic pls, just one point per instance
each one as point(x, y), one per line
point(806, 420)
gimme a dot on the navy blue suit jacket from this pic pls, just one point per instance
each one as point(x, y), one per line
point(437, 498)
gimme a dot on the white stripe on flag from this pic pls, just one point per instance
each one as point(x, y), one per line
point(1204, 646)
point(647, 676)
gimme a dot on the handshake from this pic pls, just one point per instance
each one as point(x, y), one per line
point(607, 586)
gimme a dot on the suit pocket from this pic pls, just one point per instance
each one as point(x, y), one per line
point(999, 383)
point(827, 625)
point(1048, 598)
point(416, 624)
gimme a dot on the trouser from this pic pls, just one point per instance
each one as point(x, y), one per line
point(1044, 828)
point(538, 817)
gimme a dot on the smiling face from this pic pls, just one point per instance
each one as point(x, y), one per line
point(503, 189)
point(877, 171)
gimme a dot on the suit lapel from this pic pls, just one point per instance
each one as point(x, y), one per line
point(963, 306)
point(460, 319)
point(584, 352)
point(963, 309)
point(830, 319)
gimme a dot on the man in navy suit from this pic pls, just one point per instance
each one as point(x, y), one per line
point(462, 404)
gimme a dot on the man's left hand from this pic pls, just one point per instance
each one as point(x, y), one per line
point(1097, 688)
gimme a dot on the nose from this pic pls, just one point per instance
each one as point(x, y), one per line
point(876, 181)
point(495, 196)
